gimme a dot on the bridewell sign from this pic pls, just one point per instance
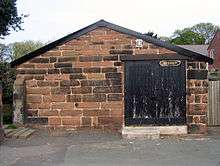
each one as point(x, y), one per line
point(170, 63)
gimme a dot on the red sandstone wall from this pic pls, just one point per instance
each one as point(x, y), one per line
point(197, 98)
point(80, 83)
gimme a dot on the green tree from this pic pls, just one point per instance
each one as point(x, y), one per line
point(10, 20)
point(21, 48)
point(206, 30)
point(2, 48)
point(7, 74)
point(201, 33)
point(7, 77)
point(187, 36)
point(5, 53)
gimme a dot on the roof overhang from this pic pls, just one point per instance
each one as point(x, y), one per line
point(103, 23)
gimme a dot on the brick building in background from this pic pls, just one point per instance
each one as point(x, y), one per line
point(214, 51)
point(109, 77)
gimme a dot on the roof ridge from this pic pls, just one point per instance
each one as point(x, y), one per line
point(103, 23)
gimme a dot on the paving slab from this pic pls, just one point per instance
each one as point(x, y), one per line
point(20, 132)
point(98, 149)
point(7, 131)
point(26, 134)
point(10, 135)
point(17, 134)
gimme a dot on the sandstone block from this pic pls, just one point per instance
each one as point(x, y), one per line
point(71, 112)
point(74, 121)
point(54, 121)
point(114, 97)
point(86, 121)
point(94, 98)
point(82, 90)
point(34, 98)
point(63, 105)
point(73, 98)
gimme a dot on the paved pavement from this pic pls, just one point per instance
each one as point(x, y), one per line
point(105, 149)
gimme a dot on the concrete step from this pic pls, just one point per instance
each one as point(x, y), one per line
point(26, 134)
point(17, 134)
point(139, 129)
point(140, 132)
point(10, 135)
point(152, 131)
point(7, 131)
point(20, 132)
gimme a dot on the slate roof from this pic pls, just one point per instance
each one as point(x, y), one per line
point(103, 23)
point(201, 49)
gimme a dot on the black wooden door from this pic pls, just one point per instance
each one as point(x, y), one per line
point(155, 94)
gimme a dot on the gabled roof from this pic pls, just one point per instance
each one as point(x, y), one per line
point(202, 49)
point(103, 23)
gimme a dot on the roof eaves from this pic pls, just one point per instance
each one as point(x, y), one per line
point(52, 45)
point(103, 23)
point(160, 43)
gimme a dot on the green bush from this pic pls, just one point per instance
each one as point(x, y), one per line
point(7, 113)
point(11, 126)
point(214, 76)
point(7, 77)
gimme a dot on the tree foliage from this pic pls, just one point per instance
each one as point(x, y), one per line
point(15, 50)
point(206, 30)
point(201, 33)
point(187, 36)
point(9, 18)
point(21, 48)
point(7, 76)
point(7, 54)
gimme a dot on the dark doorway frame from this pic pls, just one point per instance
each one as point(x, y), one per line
point(161, 121)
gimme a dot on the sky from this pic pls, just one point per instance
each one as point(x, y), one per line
point(52, 19)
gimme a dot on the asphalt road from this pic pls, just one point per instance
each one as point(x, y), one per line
point(105, 149)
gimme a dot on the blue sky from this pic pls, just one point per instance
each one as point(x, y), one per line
point(51, 19)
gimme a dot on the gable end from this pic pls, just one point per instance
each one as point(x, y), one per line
point(103, 23)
